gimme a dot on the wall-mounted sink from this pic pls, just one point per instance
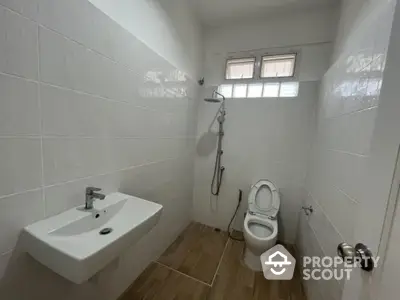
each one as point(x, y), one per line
point(77, 244)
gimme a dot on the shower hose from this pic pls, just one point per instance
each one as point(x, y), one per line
point(218, 174)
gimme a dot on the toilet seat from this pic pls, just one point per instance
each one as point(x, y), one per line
point(272, 225)
point(260, 225)
point(264, 204)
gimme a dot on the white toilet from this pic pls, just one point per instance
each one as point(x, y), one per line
point(261, 224)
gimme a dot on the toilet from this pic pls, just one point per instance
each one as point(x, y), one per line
point(260, 224)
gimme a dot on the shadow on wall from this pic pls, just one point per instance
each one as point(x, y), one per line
point(39, 282)
point(27, 279)
point(207, 143)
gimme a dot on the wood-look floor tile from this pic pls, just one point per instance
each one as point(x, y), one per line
point(235, 281)
point(196, 252)
point(160, 283)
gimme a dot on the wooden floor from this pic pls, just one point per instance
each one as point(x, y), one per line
point(196, 252)
point(203, 264)
point(161, 283)
point(235, 280)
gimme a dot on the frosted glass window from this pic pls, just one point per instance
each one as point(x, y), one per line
point(254, 90)
point(289, 89)
point(239, 91)
point(242, 68)
point(271, 90)
point(273, 66)
point(226, 90)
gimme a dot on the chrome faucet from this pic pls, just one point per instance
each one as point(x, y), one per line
point(91, 195)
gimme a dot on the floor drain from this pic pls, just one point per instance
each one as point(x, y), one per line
point(106, 231)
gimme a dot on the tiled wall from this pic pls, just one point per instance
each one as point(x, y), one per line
point(311, 31)
point(85, 103)
point(348, 103)
point(264, 138)
point(170, 28)
point(267, 137)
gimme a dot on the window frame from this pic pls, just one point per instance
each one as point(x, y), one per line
point(258, 56)
point(296, 55)
point(250, 56)
point(263, 83)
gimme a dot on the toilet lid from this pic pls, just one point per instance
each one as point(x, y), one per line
point(264, 199)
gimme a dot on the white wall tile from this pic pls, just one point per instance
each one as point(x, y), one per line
point(18, 45)
point(69, 113)
point(264, 138)
point(20, 165)
point(16, 212)
point(104, 36)
point(68, 64)
point(104, 117)
point(26, 8)
point(19, 107)
point(66, 159)
point(350, 132)
point(327, 235)
point(308, 245)
point(346, 119)
point(52, 15)
point(65, 63)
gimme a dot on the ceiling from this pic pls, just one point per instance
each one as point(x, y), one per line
point(218, 12)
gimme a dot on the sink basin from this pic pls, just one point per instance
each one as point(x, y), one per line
point(77, 244)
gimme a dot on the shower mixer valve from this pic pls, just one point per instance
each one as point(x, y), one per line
point(308, 210)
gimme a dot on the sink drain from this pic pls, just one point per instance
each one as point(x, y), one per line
point(106, 231)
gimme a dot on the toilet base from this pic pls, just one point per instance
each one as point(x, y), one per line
point(252, 260)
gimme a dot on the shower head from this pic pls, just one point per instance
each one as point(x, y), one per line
point(212, 100)
point(215, 100)
point(220, 115)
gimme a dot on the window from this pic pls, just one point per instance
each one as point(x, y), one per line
point(271, 89)
point(242, 68)
point(254, 90)
point(240, 91)
point(275, 66)
point(261, 76)
point(289, 89)
point(260, 90)
point(267, 66)
point(226, 90)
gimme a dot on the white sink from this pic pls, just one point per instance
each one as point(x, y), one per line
point(71, 245)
